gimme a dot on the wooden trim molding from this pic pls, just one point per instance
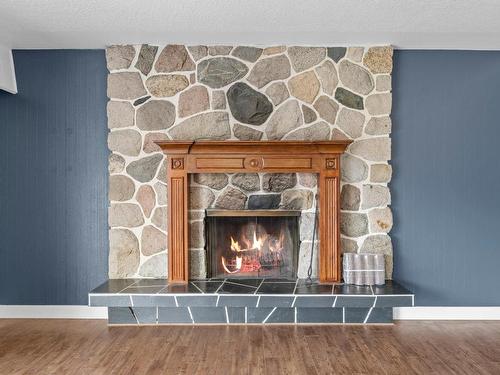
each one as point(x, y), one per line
point(321, 157)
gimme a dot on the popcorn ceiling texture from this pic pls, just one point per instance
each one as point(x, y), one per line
point(247, 93)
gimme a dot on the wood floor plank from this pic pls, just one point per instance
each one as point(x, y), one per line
point(90, 347)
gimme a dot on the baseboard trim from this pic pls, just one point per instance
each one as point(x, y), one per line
point(52, 312)
point(447, 313)
point(400, 313)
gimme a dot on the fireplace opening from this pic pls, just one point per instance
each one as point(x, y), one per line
point(252, 243)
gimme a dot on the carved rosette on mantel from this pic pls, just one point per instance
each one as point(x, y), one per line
point(186, 157)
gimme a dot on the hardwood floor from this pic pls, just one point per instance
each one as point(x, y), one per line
point(90, 347)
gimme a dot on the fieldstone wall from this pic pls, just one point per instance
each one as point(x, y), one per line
point(247, 93)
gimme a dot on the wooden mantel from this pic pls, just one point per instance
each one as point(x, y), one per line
point(321, 157)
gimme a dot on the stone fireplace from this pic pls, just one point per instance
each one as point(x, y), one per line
point(241, 93)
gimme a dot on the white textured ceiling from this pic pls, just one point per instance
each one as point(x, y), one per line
point(444, 24)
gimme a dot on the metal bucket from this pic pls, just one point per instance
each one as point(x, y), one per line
point(364, 269)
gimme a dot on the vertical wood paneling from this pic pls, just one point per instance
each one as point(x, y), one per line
point(53, 178)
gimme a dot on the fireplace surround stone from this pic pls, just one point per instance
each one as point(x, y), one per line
point(297, 93)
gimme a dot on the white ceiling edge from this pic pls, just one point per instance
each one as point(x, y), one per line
point(408, 24)
point(7, 72)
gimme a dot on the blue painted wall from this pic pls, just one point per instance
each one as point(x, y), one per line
point(53, 178)
point(446, 184)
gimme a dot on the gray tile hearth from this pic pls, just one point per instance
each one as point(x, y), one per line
point(247, 301)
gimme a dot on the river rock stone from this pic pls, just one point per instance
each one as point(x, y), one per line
point(326, 108)
point(338, 135)
point(166, 85)
point(124, 254)
point(200, 198)
point(119, 57)
point(250, 54)
point(116, 163)
point(193, 100)
point(155, 115)
point(215, 181)
point(278, 93)
point(156, 267)
point(146, 198)
point(120, 114)
point(161, 193)
point(125, 215)
point(305, 57)
point(273, 50)
point(218, 99)
point(328, 77)
point(353, 224)
point(348, 98)
point(264, 201)
point(231, 199)
point(305, 259)
point(383, 83)
point(379, 104)
point(277, 182)
point(174, 58)
point(285, 119)
point(304, 86)
point(142, 100)
point(375, 196)
point(146, 58)
point(355, 53)
point(218, 72)
point(353, 169)
point(373, 149)
point(317, 132)
point(212, 125)
point(198, 52)
point(143, 170)
point(380, 173)
point(309, 180)
point(121, 188)
point(379, 126)
point(149, 142)
point(336, 53)
point(348, 246)
point(162, 173)
point(159, 218)
point(379, 59)
point(246, 181)
point(300, 199)
point(355, 77)
point(153, 241)
point(247, 105)
point(309, 114)
point(127, 142)
point(268, 70)
point(306, 226)
point(125, 85)
point(197, 264)
point(196, 235)
point(351, 122)
point(350, 197)
point(244, 133)
point(380, 244)
point(380, 220)
point(219, 50)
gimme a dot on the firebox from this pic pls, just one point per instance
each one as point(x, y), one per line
point(252, 243)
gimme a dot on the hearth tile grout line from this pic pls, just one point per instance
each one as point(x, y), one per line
point(157, 312)
point(370, 311)
point(295, 315)
point(190, 314)
point(294, 299)
point(334, 301)
point(246, 318)
point(295, 288)
point(220, 286)
point(201, 291)
point(176, 303)
point(227, 316)
point(258, 301)
point(343, 314)
point(217, 302)
point(271, 313)
point(233, 283)
point(262, 282)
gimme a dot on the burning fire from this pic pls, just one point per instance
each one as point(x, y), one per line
point(249, 259)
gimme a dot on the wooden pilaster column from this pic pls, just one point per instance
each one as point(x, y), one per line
point(329, 236)
point(178, 226)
